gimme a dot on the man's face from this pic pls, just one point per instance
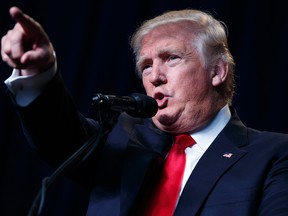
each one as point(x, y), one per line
point(174, 74)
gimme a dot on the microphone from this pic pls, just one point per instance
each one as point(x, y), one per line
point(136, 105)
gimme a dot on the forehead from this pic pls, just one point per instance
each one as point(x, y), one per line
point(174, 29)
point(164, 35)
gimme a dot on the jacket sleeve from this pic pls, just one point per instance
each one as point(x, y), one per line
point(275, 194)
point(53, 126)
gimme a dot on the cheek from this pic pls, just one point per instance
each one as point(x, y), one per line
point(193, 89)
point(147, 86)
point(186, 85)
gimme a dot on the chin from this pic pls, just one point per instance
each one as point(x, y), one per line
point(163, 121)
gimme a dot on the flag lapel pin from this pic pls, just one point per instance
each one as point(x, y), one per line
point(227, 155)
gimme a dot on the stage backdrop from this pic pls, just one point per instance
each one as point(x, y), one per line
point(91, 39)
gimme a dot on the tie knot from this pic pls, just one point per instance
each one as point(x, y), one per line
point(182, 141)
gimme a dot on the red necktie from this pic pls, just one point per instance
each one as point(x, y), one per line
point(164, 200)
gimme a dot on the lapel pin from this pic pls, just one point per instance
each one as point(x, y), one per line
point(227, 155)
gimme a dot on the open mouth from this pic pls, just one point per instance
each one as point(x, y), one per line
point(161, 100)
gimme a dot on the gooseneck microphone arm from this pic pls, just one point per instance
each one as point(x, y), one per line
point(108, 108)
point(47, 182)
point(80, 155)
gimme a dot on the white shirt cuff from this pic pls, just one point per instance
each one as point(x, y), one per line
point(27, 88)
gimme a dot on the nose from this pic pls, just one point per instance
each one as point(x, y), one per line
point(158, 76)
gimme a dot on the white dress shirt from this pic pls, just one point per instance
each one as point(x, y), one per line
point(203, 139)
point(28, 88)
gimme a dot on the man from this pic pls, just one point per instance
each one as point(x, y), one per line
point(185, 65)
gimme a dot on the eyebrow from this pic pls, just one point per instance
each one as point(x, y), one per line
point(162, 51)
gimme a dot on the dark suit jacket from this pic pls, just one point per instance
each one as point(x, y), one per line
point(243, 172)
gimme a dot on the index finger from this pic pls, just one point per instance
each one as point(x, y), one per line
point(24, 20)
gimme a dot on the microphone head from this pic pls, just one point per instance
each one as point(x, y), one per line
point(147, 106)
point(136, 105)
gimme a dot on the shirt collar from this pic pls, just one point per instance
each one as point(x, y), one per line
point(206, 136)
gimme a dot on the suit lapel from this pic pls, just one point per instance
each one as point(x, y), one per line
point(218, 158)
point(146, 146)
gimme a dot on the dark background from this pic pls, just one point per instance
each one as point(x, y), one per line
point(91, 39)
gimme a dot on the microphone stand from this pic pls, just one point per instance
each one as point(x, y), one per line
point(107, 119)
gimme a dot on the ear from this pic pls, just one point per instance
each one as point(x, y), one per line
point(219, 73)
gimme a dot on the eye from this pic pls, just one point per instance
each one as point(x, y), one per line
point(146, 69)
point(173, 59)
